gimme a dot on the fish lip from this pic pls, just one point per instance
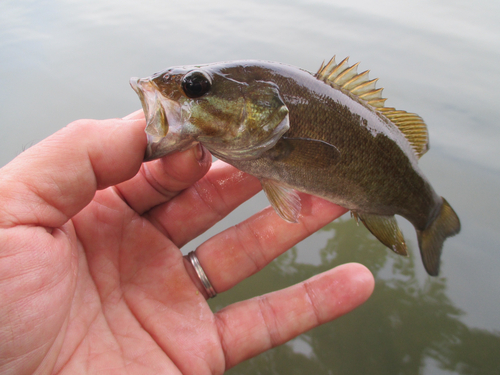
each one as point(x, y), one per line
point(154, 112)
point(164, 121)
point(137, 86)
point(148, 92)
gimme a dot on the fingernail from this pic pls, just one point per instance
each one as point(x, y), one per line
point(198, 151)
point(134, 115)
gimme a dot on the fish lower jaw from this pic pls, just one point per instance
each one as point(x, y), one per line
point(167, 145)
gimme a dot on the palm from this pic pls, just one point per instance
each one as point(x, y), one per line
point(143, 294)
point(128, 278)
point(110, 291)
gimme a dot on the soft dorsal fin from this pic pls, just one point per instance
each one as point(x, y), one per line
point(345, 77)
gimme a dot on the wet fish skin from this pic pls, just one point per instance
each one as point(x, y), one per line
point(299, 132)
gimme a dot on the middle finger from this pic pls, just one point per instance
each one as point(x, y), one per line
point(205, 203)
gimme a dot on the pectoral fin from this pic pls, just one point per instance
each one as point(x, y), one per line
point(386, 229)
point(305, 153)
point(285, 200)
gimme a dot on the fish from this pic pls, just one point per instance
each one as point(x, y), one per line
point(328, 134)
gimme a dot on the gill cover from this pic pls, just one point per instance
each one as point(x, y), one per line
point(252, 124)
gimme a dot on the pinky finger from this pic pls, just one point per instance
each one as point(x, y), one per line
point(251, 327)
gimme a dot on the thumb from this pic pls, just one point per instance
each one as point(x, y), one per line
point(52, 181)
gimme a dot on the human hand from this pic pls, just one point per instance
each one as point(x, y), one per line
point(91, 276)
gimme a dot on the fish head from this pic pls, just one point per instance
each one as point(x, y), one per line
point(231, 114)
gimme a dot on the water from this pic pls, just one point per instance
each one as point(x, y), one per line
point(65, 60)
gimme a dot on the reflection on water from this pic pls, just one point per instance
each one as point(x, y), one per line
point(406, 327)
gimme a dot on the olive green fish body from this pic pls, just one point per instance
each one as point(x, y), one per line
point(376, 171)
point(327, 134)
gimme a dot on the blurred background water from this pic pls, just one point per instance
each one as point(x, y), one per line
point(62, 60)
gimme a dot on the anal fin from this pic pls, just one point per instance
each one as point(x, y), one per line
point(387, 231)
point(285, 200)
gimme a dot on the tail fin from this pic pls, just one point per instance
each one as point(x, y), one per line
point(431, 239)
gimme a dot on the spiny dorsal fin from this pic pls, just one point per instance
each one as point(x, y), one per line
point(346, 78)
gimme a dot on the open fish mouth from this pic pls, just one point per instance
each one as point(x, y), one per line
point(164, 121)
point(157, 123)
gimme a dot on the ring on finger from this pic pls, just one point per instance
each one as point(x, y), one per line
point(202, 275)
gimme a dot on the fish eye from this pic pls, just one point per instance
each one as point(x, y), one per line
point(196, 84)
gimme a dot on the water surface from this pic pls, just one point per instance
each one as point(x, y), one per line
point(65, 60)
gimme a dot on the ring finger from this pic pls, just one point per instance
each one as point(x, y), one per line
point(242, 250)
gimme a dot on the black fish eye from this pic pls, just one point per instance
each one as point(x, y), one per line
point(196, 84)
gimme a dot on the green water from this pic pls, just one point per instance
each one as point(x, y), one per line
point(65, 60)
point(406, 326)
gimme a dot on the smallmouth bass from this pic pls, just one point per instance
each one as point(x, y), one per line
point(327, 134)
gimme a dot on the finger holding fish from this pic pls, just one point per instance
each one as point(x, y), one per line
point(204, 203)
point(160, 180)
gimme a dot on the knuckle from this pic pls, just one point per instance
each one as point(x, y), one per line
point(270, 320)
point(250, 242)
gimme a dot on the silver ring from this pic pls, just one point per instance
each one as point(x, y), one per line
point(202, 275)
